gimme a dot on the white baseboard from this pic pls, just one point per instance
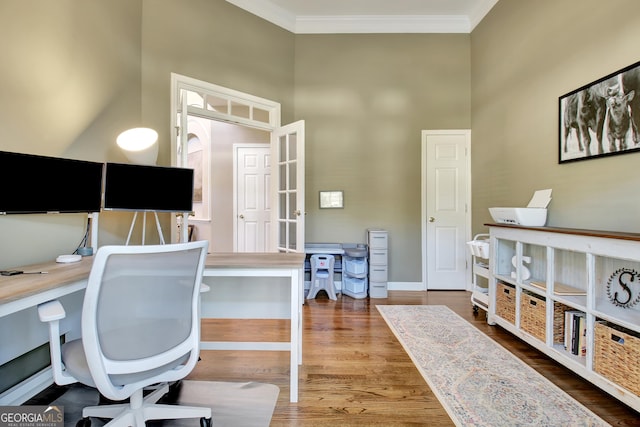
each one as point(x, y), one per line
point(28, 388)
point(411, 286)
point(391, 286)
point(405, 286)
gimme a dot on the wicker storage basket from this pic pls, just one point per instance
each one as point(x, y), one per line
point(506, 302)
point(533, 317)
point(616, 356)
point(558, 322)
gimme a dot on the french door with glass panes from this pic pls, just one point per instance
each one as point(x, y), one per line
point(191, 97)
point(287, 144)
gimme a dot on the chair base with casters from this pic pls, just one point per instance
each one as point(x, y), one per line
point(322, 276)
point(140, 332)
point(140, 409)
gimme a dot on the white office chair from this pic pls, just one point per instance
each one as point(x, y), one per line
point(140, 327)
point(322, 276)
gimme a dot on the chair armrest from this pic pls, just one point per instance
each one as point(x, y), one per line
point(50, 311)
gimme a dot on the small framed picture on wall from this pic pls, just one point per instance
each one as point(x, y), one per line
point(331, 200)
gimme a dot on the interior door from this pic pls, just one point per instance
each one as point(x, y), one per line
point(447, 208)
point(287, 144)
point(253, 198)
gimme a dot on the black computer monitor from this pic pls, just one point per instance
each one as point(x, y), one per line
point(148, 188)
point(40, 184)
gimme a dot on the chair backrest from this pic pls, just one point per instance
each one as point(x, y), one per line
point(140, 317)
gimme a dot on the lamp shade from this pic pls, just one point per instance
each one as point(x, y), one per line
point(139, 145)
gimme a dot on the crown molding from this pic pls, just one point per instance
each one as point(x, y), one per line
point(382, 24)
point(337, 24)
point(480, 12)
point(269, 12)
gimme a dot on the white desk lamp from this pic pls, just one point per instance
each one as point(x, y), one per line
point(140, 145)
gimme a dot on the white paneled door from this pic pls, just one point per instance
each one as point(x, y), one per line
point(253, 197)
point(447, 212)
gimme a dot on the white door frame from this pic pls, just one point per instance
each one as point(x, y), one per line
point(423, 203)
point(235, 107)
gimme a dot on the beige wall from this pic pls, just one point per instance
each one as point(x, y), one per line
point(70, 74)
point(525, 55)
point(365, 100)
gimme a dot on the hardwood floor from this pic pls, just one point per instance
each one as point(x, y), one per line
point(355, 372)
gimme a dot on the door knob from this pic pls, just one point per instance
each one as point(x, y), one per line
point(297, 212)
point(241, 216)
point(431, 219)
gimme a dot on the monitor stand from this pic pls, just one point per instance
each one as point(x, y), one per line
point(144, 227)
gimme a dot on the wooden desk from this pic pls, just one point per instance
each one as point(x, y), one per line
point(20, 329)
point(26, 291)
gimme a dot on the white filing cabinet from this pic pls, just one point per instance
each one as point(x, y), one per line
point(378, 241)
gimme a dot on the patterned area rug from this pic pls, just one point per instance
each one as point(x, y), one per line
point(479, 382)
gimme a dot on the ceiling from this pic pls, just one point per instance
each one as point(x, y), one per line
point(370, 16)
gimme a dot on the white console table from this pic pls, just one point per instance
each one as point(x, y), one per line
point(543, 278)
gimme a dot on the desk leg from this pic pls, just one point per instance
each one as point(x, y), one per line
point(300, 318)
point(295, 334)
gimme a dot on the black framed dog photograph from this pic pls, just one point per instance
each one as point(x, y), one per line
point(602, 118)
